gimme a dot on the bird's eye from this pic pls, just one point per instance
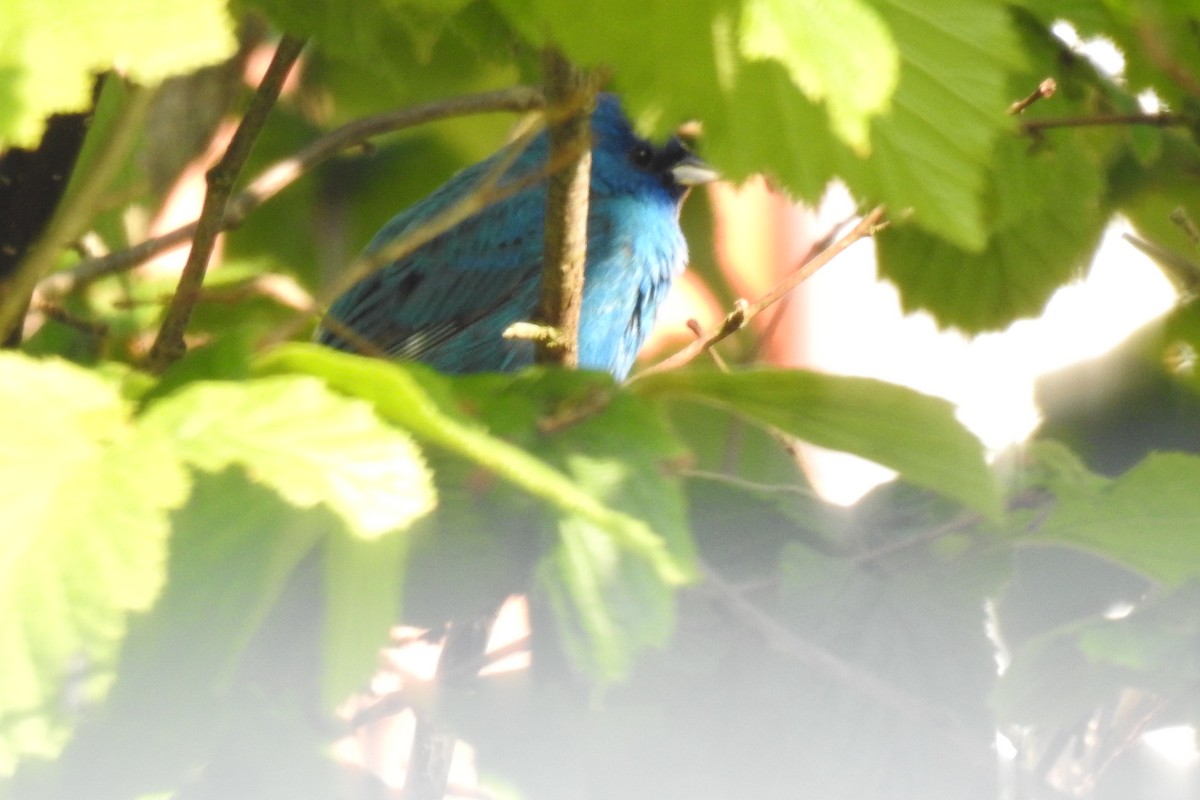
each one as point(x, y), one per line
point(641, 155)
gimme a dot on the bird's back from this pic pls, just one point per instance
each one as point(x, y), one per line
point(448, 303)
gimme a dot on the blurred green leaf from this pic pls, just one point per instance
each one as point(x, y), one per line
point(917, 629)
point(1146, 519)
point(841, 55)
point(50, 49)
point(309, 444)
point(933, 151)
point(197, 668)
point(83, 505)
point(377, 54)
point(363, 580)
point(610, 605)
point(914, 434)
point(1170, 66)
point(418, 399)
point(1047, 219)
point(930, 151)
point(1052, 683)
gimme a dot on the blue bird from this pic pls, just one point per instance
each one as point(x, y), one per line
point(448, 303)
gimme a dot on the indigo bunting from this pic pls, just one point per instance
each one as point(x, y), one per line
point(448, 303)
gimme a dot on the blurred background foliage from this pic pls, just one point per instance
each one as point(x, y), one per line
point(199, 569)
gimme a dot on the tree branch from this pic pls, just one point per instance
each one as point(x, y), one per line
point(169, 344)
point(570, 98)
point(743, 311)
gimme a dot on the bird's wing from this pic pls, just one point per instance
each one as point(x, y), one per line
point(451, 297)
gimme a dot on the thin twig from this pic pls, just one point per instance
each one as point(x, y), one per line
point(1183, 274)
point(958, 524)
point(570, 97)
point(97, 330)
point(75, 213)
point(404, 699)
point(1044, 90)
point(772, 325)
point(169, 344)
point(1162, 119)
point(283, 173)
point(744, 312)
point(751, 486)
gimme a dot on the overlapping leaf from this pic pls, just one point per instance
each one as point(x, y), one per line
point(50, 49)
point(1146, 519)
point(423, 407)
point(305, 442)
point(914, 434)
point(83, 515)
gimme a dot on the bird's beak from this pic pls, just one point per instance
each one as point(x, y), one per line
point(693, 171)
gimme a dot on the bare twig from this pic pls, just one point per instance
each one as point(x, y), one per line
point(394, 703)
point(283, 173)
point(1164, 119)
point(743, 311)
point(87, 327)
point(75, 213)
point(169, 344)
point(772, 325)
point(1044, 90)
point(960, 523)
point(1183, 274)
point(751, 486)
point(570, 97)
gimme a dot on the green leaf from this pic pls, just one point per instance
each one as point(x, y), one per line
point(376, 54)
point(362, 602)
point(912, 433)
point(1170, 66)
point(916, 630)
point(417, 399)
point(931, 149)
point(1058, 677)
point(307, 443)
point(1050, 682)
point(50, 50)
point(610, 605)
point(197, 669)
point(841, 54)
point(1147, 519)
point(83, 506)
point(1048, 220)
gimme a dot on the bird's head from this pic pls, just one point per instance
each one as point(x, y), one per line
point(625, 161)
